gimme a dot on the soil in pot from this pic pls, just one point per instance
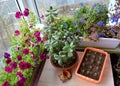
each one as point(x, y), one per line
point(115, 62)
point(92, 64)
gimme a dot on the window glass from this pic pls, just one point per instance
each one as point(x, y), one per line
point(8, 23)
point(64, 6)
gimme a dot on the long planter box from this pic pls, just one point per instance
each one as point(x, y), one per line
point(101, 43)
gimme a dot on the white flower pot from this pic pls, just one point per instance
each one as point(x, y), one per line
point(102, 43)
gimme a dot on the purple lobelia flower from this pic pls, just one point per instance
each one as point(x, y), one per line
point(17, 33)
point(64, 25)
point(76, 22)
point(80, 4)
point(100, 23)
point(101, 34)
point(6, 83)
point(26, 12)
point(6, 55)
point(82, 20)
point(18, 14)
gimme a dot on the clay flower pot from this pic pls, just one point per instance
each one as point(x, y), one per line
point(92, 64)
point(67, 68)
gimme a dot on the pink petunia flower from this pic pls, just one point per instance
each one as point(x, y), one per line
point(13, 65)
point(22, 65)
point(37, 33)
point(19, 57)
point(17, 33)
point(28, 65)
point(26, 51)
point(26, 12)
point(8, 60)
point(21, 82)
point(42, 57)
point(38, 39)
point(32, 54)
point(18, 14)
point(42, 17)
point(6, 83)
point(19, 74)
point(8, 69)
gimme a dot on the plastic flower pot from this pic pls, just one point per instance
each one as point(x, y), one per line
point(101, 43)
point(92, 64)
point(66, 68)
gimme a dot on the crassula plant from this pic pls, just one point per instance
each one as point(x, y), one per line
point(27, 51)
point(62, 39)
point(90, 21)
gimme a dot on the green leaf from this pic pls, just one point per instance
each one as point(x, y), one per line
point(60, 62)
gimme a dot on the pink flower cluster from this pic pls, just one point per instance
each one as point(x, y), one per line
point(28, 48)
point(19, 13)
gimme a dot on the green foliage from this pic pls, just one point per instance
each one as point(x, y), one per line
point(88, 19)
point(25, 39)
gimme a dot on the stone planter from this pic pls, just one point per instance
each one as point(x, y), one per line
point(101, 43)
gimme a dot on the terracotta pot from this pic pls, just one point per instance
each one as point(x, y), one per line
point(89, 77)
point(67, 68)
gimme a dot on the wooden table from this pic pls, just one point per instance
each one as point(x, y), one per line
point(49, 77)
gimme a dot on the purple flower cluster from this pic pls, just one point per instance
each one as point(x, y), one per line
point(115, 16)
point(6, 55)
point(19, 14)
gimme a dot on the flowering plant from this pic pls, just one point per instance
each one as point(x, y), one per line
point(27, 51)
point(90, 21)
point(115, 12)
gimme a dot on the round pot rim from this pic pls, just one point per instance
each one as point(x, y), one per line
point(67, 68)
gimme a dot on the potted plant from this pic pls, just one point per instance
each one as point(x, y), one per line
point(91, 23)
point(92, 64)
point(61, 41)
point(26, 53)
